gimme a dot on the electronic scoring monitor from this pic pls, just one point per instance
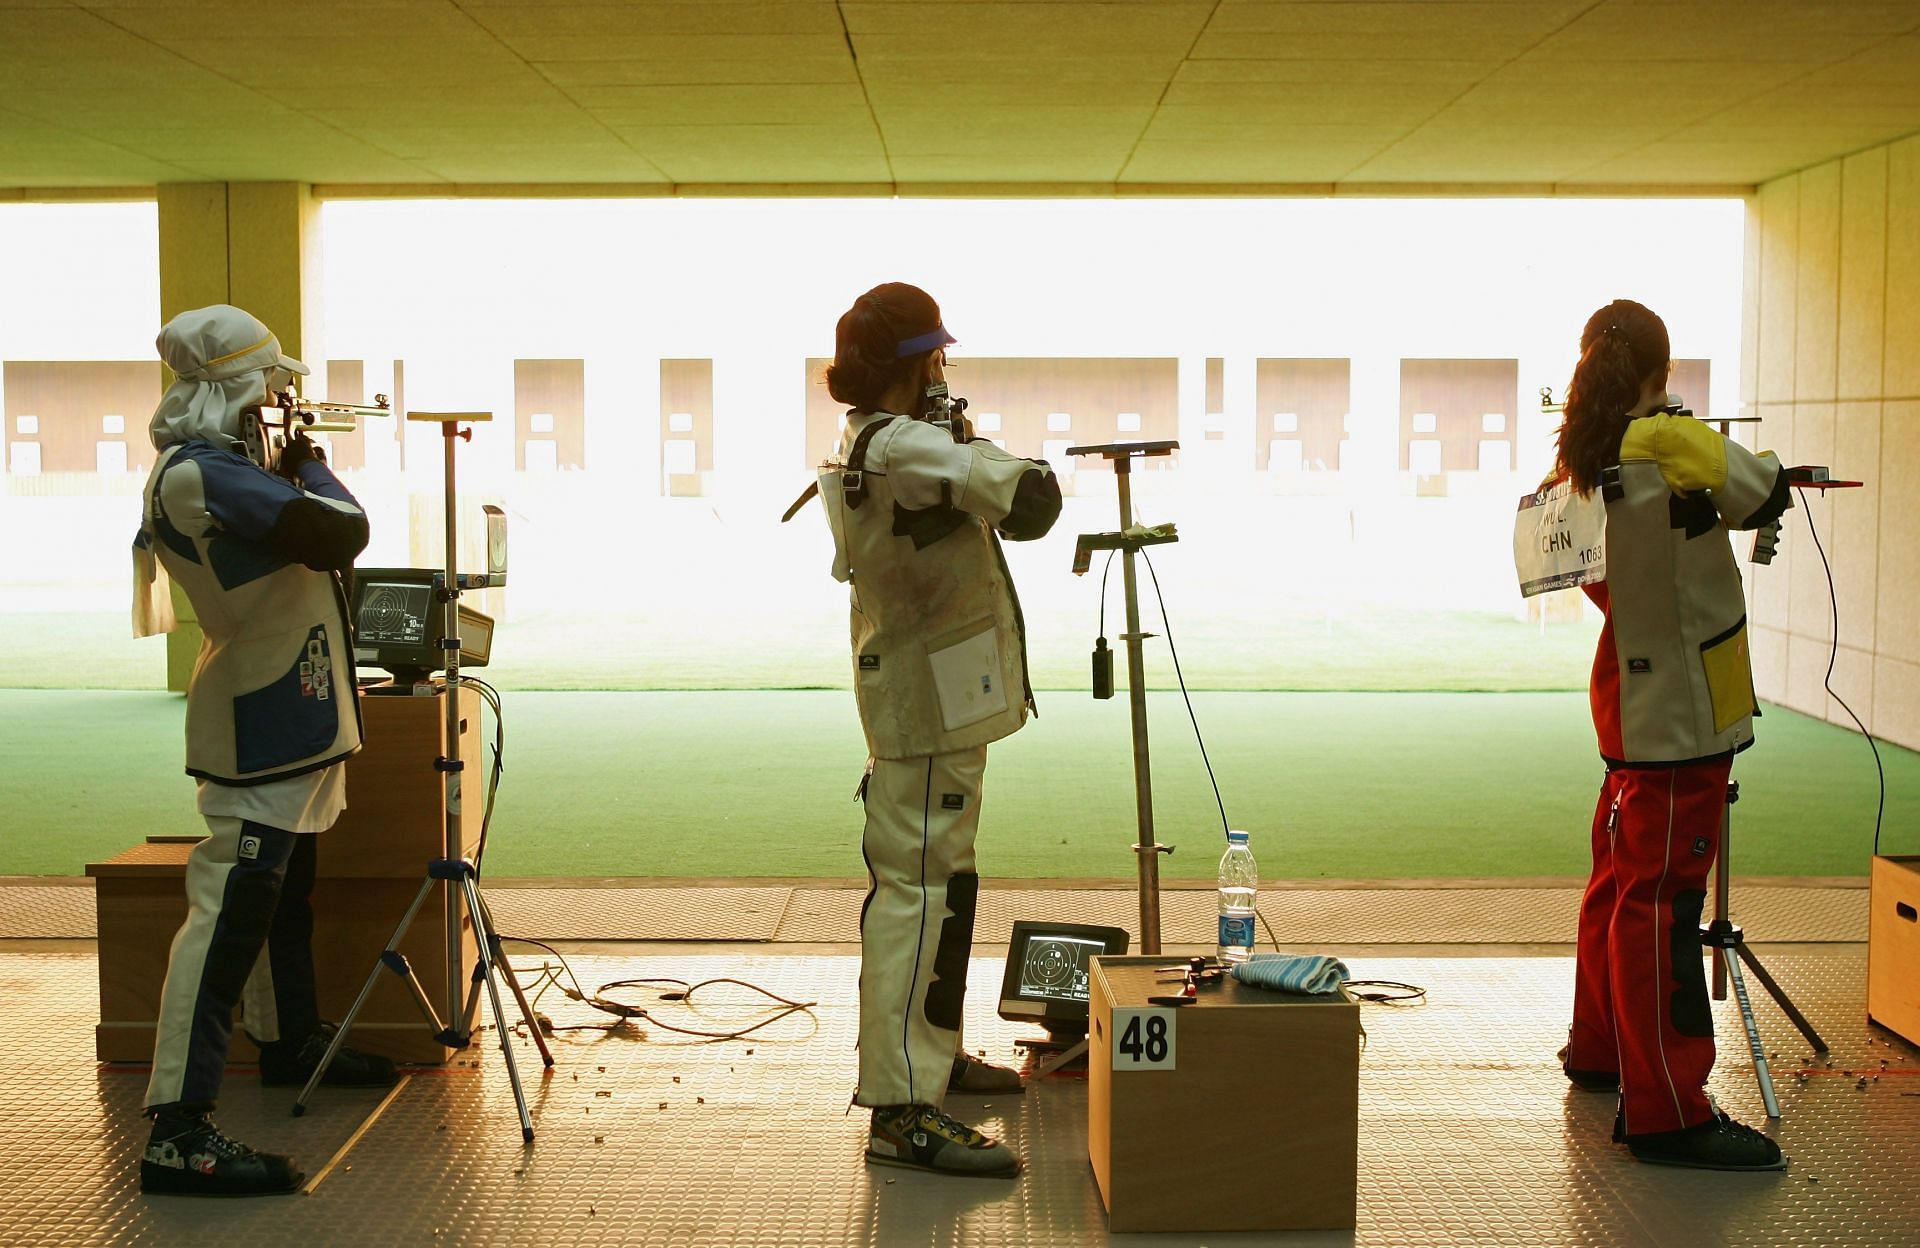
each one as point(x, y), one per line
point(398, 624)
point(1047, 971)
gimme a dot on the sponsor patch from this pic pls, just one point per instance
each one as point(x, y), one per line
point(1702, 847)
point(250, 847)
point(869, 662)
point(1639, 666)
point(953, 801)
point(316, 668)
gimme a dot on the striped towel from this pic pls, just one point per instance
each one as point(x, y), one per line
point(1293, 972)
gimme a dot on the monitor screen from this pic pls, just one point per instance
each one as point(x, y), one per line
point(1048, 976)
point(1055, 967)
point(393, 613)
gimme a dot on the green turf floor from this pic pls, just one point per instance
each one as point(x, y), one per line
point(695, 646)
point(1341, 785)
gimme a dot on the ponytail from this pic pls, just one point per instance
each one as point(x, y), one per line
point(1622, 345)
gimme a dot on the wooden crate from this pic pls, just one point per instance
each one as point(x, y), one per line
point(1893, 945)
point(369, 864)
point(1254, 1128)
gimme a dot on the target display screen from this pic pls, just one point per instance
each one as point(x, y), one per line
point(394, 614)
point(1055, 967)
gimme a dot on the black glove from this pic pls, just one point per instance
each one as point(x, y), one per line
point(298, 450)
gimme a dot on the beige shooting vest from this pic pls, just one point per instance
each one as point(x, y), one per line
point(939, 646)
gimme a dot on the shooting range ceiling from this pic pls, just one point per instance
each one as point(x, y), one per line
point(918, 96)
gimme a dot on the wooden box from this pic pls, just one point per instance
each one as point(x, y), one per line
point(369, 864)
point(1893, 945)
point(1251, 1121)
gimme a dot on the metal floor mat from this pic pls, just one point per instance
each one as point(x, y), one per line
point(1469, 1134)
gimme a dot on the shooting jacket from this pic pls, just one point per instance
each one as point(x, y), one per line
point(1672, 677)
point(939, 642)
point(272, 693)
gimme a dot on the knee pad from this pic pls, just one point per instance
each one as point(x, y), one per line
point(947, 994)
point(302, 864)
point(253, 884)
point(1688, 1007)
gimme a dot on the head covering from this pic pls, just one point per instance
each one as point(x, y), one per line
point(217, 355)
point(932, 339)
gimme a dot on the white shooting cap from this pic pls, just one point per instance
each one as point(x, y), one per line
point(217, 354)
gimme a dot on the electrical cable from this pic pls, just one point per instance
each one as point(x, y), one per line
point(1833, 654)
point(627, 1012)
point(1387, 992)
point(1167, 629)
point(491, 696)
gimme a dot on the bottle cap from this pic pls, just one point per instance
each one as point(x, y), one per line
point(1237, 837)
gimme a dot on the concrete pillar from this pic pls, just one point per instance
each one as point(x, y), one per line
point(255, 245)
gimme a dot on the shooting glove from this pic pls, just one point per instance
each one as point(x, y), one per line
point(298, 450)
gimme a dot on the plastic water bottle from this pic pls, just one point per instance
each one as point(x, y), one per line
point(1239, 879)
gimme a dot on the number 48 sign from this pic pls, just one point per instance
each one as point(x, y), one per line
point(1143, 1039)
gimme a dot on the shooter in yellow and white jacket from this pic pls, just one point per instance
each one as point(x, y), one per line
point(1672, 699)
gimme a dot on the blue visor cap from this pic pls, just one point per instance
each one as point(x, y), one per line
point(933, 338)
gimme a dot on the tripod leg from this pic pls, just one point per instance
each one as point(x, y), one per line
point(513, 985)
point(485, 936)
point(1781, 999)
point(1058, 1060)
point(1760, 1070)
point(1723, 888)
point(366, 990)
point(472, 1010)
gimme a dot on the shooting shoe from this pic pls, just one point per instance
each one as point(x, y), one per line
point(972, 1075)
point(1719, 1143)
point(289, 1064)
point(1589, 1080)
point(920, 1137)
point(188, 1156)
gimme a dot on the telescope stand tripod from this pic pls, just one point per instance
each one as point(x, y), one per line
point(459, 876)
point(1129, 540)
point(490, 966)
point(1729, 946)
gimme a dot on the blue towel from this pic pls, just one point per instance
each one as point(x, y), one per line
point(1293, 972)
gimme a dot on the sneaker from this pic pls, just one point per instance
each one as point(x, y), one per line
point(920, 1137)
point(1719, 1143)
point(1589, 1080)
point(285, 1064)
point(971, 1074)
point(188, 1156)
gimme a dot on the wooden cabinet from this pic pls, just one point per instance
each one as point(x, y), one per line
point(1893, 946)
point(1238, 1112)
point(370, 864)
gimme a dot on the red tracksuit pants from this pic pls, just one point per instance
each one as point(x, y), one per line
point(1640, 991)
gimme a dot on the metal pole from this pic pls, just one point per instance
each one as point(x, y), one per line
point(1722, 880)
point(451, 629)
point(1146, 851)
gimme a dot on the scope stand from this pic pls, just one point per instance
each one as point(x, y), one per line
point(454, 873)
point(1729, 946)
point(1128, 541)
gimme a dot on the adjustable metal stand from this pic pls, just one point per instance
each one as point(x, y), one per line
point(459, 877)
point(1728, 943)
point(1128, 541)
